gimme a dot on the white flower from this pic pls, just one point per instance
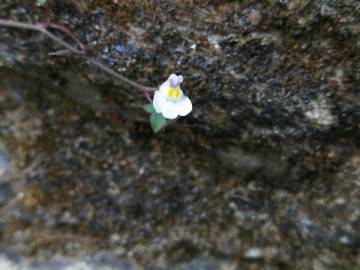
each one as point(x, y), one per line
point(170, 99)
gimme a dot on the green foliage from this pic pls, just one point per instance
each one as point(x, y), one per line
point(157, 121)
point(149, 108)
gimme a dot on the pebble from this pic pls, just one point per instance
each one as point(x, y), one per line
point(253, 253)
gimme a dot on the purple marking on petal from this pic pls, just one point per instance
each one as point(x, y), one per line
point(172, 83)
point(175, 81)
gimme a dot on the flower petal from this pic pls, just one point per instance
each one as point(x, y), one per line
point(184, 106)
point(169, 109)
point(164, 87)
point(180, 79)
point(173, 77)
point(157, 101)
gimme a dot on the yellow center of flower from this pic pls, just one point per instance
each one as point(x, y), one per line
point(173, 93)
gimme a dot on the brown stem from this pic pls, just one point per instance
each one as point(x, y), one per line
point(79, 51)
point(119, 76)
point(71, 35)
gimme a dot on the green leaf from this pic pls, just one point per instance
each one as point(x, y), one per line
point(149, 108)
point(157, 122)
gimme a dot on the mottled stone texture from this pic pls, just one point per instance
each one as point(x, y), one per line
point(264, 173)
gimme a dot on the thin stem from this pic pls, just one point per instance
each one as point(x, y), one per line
point(147, 96)
point(119, 76)
point(71, 35)
point(81, 51)
point(41, 29)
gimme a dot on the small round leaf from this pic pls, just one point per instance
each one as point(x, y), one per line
point(157, 122)
point(149, 108)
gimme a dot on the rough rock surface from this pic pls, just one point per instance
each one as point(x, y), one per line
point(264, 173)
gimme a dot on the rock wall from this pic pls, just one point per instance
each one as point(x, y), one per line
point(264, 172)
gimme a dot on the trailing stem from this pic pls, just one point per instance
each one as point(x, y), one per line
point(79, 50)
